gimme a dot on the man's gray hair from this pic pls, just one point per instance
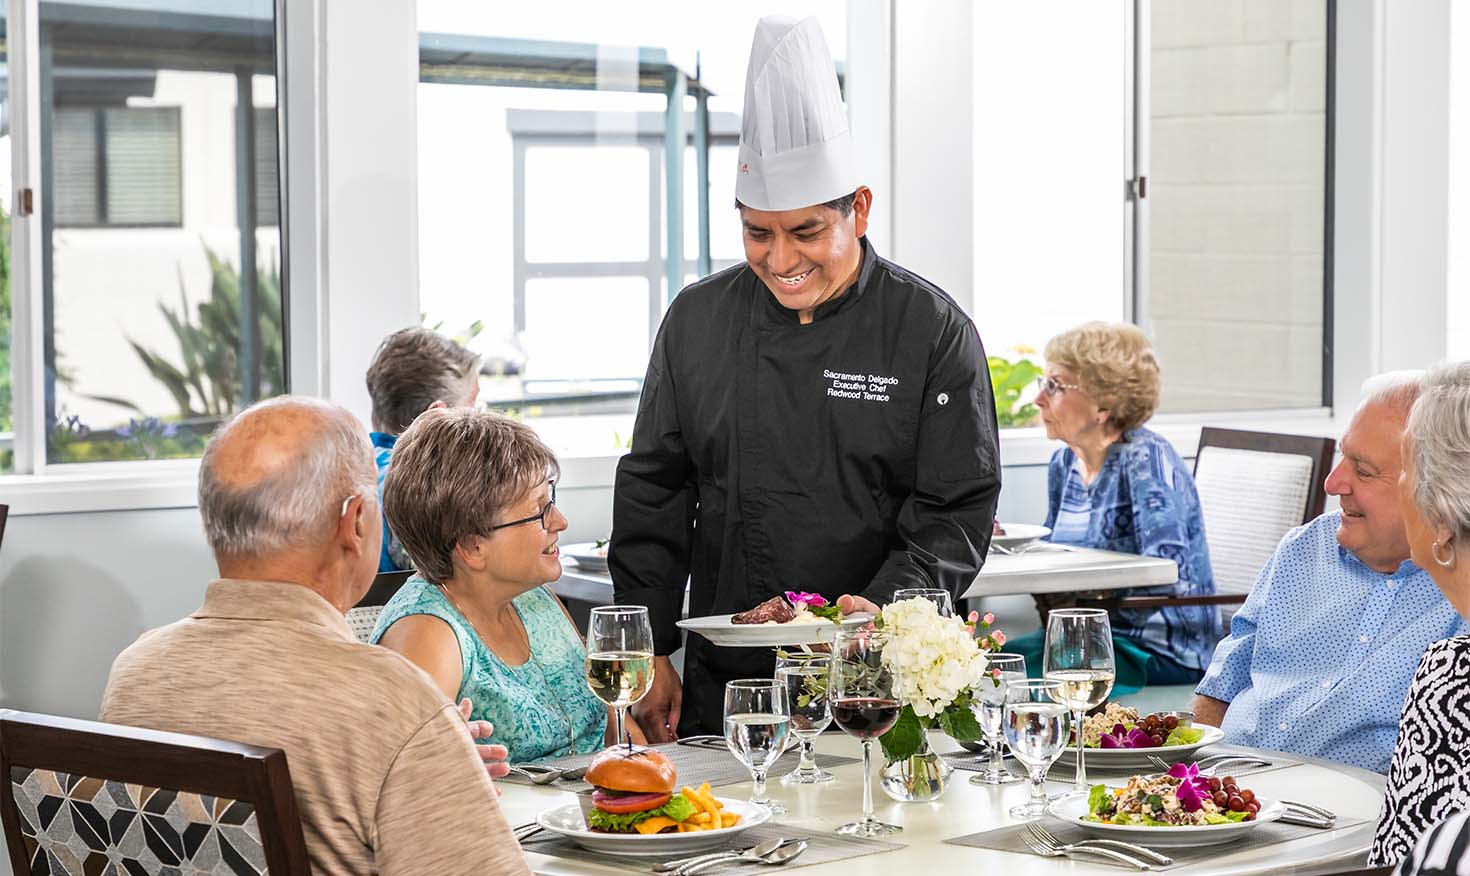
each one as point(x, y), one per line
point(298, 506)
point(1439, 438)
point(1396, 389)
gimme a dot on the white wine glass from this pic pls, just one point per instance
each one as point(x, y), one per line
point(861, 694)
point(756, 724)
point(942, 599)
point(803, 676)
point(619, 658)
point(1036, 725)
point(1079, 656)
point(990, 703)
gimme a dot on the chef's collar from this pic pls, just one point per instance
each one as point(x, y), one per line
point(831, 307)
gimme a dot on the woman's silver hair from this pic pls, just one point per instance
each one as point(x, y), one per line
point(298, 506)
point(1396, 389)
point(1439, 440)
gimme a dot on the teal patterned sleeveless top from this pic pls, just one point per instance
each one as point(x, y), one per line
point(541, 708)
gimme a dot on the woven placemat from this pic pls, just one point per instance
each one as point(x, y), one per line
point(822, 848)
point(695, 765)
point(1008, 839)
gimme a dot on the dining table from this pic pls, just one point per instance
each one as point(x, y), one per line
point(965, 809)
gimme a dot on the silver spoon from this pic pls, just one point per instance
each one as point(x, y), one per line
point(779, 856)
point(757, 850)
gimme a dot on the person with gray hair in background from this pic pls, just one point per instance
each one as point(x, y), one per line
point(386, 777)
point(1429, 778)
point(414, 370)
point(1320, 656)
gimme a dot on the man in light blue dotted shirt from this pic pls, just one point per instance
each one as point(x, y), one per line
point(1320, 657)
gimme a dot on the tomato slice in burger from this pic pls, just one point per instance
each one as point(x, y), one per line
point(623, 804)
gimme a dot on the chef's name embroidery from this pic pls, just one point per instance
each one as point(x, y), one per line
point(864, 387)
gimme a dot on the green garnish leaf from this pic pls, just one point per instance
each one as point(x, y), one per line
point(1184, 736)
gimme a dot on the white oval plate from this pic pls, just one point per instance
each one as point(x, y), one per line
point(587, 556)
point(567, 820)
point(1072, 807)
point(1110, 758)
point(1019, 535)
point(718, 629)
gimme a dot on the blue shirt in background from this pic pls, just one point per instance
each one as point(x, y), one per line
point(1320, 657)
point(1143, 501)
point(391, 558)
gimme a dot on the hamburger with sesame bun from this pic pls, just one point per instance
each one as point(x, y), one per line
point(633, 792)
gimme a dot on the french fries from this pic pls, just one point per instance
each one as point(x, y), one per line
point(711, 814)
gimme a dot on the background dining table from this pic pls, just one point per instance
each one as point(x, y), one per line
point(965, 809)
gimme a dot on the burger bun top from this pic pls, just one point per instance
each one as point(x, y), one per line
point(634, 770)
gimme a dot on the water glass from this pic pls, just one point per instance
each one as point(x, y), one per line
point(990, 701)
point(804, 677)
point(619, 657)
point(864, 704)
point(942, 599)
point(756, 724)
point(1036, 728)
point(1079, 656)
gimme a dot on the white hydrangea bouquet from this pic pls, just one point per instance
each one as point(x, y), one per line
point(937, 662)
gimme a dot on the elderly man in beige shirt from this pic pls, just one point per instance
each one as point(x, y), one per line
point(387, 780)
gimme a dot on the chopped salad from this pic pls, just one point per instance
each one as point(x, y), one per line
point(1119, 726)
point(1179, 798)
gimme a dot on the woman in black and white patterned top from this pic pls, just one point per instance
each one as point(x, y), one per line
point(1429, 778)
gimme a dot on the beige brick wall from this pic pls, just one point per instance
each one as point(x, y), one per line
point(1236, 201)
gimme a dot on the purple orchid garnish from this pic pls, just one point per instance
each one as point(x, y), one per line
point(814, 600)
point(1193, 790)
point(1121, 737)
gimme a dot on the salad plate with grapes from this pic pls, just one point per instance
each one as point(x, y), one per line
point(1177, 808)
point(1119, 737)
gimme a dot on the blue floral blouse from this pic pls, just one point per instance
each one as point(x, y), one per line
point(541, 708)
point(1143, 501)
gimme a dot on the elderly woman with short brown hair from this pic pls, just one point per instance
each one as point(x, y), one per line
point(1429, 777)
point(1120, 487)
point(472, 497)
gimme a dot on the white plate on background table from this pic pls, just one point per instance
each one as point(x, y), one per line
point(1110, 758)
point(588, 555)
point(718, 629)
point(1072, 807)
point(1019, 535)
point(568, 821)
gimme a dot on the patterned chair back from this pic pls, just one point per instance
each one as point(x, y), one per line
point(82, 797)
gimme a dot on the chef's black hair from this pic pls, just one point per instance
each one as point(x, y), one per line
point(842, 205)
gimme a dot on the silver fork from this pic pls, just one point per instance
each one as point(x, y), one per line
point(1048, 850)
point(1220, 760)
point(1052, 839)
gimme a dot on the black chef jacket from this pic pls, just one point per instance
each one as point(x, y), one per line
point(854, 454)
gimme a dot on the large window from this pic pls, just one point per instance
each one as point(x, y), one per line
point(159, 290)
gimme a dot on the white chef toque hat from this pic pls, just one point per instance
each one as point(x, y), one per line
point(795, 148)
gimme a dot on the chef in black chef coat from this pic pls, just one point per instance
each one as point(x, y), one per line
point(816, 419)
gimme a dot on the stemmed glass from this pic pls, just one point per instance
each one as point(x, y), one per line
point(756, 722)
point(619, 657)
point(804, 676)
point(991, 704)
point(860, 690)
point(1079, 656)
point(1036, 729)
point(941, 598)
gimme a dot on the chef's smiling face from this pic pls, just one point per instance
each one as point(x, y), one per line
point(1366, 483)
point(809, 256)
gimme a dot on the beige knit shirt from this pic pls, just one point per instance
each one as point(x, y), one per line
point(386, 778)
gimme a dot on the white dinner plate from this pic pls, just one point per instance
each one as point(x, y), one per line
point(718, 629)
point(588, 555)
point(1019, 535)
point(1109, 758)
point(567, 820)
point(1072, 807)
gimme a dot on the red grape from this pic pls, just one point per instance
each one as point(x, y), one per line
point(1235, 803)
point(1228, 781)
point(1247, 795)
point(1220, 798)
point(1215, 784)
point(1170, 722)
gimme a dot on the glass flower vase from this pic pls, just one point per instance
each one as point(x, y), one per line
point(918, 778)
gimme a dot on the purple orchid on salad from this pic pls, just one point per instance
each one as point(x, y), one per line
point(1193, 790)
point(815, 603)
point(1122, 737)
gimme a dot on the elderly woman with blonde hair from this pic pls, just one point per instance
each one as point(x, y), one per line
point(1429, 777)
point(1117, 486)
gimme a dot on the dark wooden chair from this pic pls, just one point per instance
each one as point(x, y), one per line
point(4, 513)
point(76, 795)
point(363, 617)
point(1254, 487)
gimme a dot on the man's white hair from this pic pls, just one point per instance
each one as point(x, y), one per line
point(1396, 389)
point(1439, 441)
point(297, 506)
